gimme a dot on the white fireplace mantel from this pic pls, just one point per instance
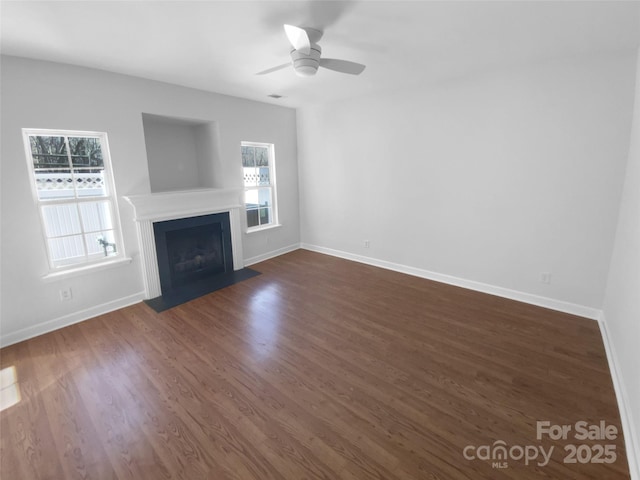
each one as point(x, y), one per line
point(162, 206)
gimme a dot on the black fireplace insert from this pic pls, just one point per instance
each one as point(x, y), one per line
point(192, 249)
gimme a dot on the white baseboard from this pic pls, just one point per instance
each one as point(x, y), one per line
point(66, 320)
point(524, 297)
point(630, 434)
point(272, 254)
point(82, 315)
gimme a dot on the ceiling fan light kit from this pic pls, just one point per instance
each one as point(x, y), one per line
point(306, 65)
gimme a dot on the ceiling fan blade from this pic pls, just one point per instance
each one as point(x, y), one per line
point(299, 38)
point(274, 69)
point(342, 66)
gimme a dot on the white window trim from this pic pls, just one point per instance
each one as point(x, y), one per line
point(274, 190)
point(260, 228)
point(63, 271)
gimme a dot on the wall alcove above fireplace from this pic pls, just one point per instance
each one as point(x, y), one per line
point(182, 153)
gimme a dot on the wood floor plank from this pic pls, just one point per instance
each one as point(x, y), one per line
point(75, 438)
point(118, 412)
point(240, 386)
point(176, 437)
point(33, 439)
point(228, 390)
point(293, 393)
point(319, 368)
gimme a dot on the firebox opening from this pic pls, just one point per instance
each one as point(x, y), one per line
point(195, 253)
point(192, 250)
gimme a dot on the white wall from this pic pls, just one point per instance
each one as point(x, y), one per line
point(492, 179)
point(622, 300)
point(38, 94)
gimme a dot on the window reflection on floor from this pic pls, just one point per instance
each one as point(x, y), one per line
point(265, 320)
point(9, 388)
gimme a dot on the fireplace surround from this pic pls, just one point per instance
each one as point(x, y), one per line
point(155, 208)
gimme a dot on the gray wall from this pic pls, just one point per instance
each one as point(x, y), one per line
point(47, 95)
point(622, 301)
point(492, 179)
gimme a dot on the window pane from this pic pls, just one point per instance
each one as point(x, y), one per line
point(86, 152)
point(262, 156)
point(258, 181)
point(61, 220)
point(101, 244)
point(250, 177)
point(263, 176)
point(248, 156)
point(54, 184)
point(252, 218)
point(251, 198)
point(89, 182)
point(66, 250)
point(96, 216)
point(264, 197)
point(48, 152)
point(265, 216)
point(258, 204)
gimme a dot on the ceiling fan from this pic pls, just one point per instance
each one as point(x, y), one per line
point(306, 55)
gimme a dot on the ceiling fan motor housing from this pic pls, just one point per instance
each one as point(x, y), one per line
point(306, 65)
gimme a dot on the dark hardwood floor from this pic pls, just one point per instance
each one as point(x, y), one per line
point(318, 368)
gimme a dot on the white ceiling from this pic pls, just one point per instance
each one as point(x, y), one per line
point(218, 46)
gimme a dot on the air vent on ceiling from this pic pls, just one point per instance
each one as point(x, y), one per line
point(274, 95)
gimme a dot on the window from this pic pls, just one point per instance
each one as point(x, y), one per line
point(259, 185)
point(73, 187)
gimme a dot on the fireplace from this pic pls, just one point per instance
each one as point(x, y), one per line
point(211, 259)
point(190, 250)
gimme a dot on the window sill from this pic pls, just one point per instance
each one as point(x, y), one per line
point(85, 269)
point(266, 227)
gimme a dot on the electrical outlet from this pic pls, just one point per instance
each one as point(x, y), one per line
point(545, 277)
point(366, 244)
point(66, 294)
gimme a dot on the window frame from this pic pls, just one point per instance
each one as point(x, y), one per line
point(88, 262)
point(272, 187)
